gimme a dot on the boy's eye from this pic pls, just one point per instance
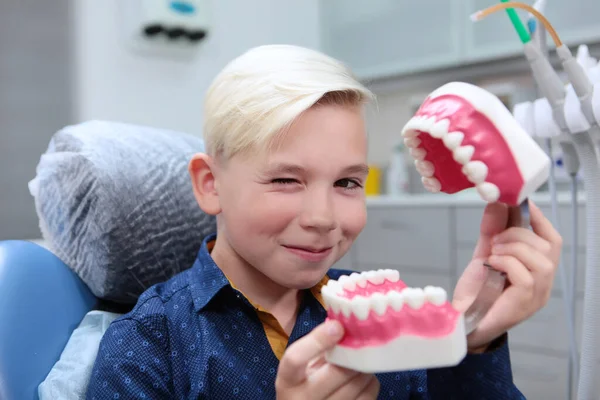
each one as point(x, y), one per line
point(348, 183)
point(284, 181)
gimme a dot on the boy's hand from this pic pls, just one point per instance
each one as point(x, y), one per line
point(304, 374)
point(529, 259)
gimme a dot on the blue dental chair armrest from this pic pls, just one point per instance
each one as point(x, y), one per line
point(41, 303)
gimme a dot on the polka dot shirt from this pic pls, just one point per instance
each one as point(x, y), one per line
point(196, 337)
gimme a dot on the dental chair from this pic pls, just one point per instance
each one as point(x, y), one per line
point(41, 302)
point(117, 215)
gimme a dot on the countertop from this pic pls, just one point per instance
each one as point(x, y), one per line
point(465, 198)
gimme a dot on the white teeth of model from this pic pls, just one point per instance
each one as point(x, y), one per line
point(414, 297)
point(392, 275)
point(361, 281)
point(349, 285)
point(345, 305)
point(412, 142)
point(360, 307)
point(396, 299)
point(375, 277)
point(431, 184)
point(378, 303)
point(435, 295)
point(476, 171)
point(488, 192)
point(463, 154)
point(453, 140)
point(418, 153)
point(439, 129)
point(425, 168)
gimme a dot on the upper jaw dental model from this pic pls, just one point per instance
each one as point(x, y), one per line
point(391, 327)
point(463, 136)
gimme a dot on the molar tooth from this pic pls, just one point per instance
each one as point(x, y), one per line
point(412, 142)
point(431, 184)
point(435, 295)
point(476, 171)
point(425, 168)
point(378, 303)
point(412, 127)
point(396, 299)
point(392, 275)
point(376, 277)
point(453, 140)
point(463, 154)
point(360, 307)
point(414, 297)
point(488, 192)
point(439, 129)
point(418, 153)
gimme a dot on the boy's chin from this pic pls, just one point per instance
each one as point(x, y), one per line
point(302, 281)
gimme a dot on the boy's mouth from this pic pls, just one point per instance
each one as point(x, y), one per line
point(313, 254)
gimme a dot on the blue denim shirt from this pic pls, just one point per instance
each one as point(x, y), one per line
point(195, 337)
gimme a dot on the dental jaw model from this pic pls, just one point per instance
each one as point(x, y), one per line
point(392, 327)
point(463, 136)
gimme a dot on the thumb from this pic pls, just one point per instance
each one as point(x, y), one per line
point(469, 285)
point(295, 360)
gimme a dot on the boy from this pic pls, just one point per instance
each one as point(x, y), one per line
point(284, 174)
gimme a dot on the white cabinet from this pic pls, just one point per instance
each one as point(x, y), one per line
point(384, 37)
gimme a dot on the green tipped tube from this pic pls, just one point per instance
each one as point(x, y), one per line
point(516, 21)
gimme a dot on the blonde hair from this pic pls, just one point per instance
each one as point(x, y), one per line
point(260, 93)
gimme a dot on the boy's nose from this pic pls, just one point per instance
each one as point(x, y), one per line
point(318, 214)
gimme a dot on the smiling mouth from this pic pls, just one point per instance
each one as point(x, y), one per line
point(309, 253)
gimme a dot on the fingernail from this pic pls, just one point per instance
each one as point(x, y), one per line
point(334, 328)
point(498, 248)
point(495, 239)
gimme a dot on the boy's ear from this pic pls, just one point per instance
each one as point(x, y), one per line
point(201, 169)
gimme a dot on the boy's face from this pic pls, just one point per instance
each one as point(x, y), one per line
point(294, 211)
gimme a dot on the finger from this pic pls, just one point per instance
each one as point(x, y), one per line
point(295, 360)
point(352, 389)
point(493, 221)
point(535, 261)
point(371, 392)
point(523, 235)
point(542, 226)
point(517, 274)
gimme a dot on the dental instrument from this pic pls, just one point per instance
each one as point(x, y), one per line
point(576, 110)
point(572, 165)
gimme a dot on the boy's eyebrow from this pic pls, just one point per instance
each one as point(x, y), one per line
point(283, 168)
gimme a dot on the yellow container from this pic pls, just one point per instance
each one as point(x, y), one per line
point(373, 183)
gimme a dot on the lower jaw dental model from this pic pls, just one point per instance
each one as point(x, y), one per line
point(461, 137)
point(391, 327)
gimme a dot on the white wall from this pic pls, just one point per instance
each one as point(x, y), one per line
point(116, 84)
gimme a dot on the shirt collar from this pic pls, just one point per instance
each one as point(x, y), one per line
point(209, 279)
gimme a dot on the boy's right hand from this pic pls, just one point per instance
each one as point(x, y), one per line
point(304, 373)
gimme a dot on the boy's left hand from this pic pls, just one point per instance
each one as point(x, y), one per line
point(529, 259)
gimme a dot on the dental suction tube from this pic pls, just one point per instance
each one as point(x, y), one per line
point(580, 121)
